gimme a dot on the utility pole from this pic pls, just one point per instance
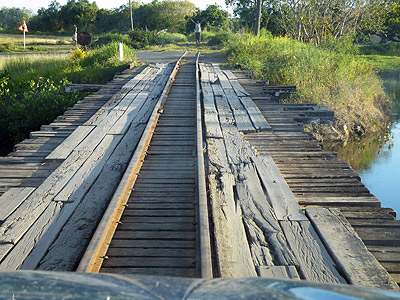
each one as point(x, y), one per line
point(258, 18)
point(130, 9)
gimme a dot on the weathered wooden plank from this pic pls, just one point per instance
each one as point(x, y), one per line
point(150, 252)
point(314, 260)
point(379, 236)
point(11, 199)
point(233, 253)
point(278, 272)
point(180, 272)
point(210, 113)
point(17, 252)
point(339, 201)
point(259, 122)
point(65, 251)
point(265, 236)
point(348, 251)
point(149, 262)
point(242, 119)
point(239, 90)
point(84, 177)
point(279, 193)
point(69, 144)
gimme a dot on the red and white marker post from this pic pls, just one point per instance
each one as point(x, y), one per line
point(23, 28)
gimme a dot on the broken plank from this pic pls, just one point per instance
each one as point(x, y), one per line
point(258, 119)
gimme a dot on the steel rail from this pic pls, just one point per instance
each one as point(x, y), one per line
point(204, 228)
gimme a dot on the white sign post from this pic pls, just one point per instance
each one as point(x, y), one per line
point(23, 28)
point(121, 52)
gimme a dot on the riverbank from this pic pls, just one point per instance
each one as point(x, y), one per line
point(331, 75)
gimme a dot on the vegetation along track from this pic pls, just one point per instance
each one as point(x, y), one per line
point(157, 221)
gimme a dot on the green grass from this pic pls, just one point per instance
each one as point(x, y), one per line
point(383, 63)
point(344, 82)
point(13, 43)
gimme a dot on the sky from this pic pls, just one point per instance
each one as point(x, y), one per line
point(36, 4)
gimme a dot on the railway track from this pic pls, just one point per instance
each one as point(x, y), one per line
point(156, 223)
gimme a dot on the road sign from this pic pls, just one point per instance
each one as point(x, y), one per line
point(23, 27)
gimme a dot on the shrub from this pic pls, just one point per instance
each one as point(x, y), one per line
point(344, 82)
point(171, 38)
point(142, 39)
point(108, 38)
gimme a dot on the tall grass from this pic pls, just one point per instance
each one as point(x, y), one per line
point(339, 80)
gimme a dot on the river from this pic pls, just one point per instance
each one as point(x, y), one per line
point(378, 160)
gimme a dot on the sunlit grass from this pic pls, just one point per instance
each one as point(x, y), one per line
point(34, 43)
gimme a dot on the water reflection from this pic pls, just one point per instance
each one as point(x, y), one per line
point(377, 161)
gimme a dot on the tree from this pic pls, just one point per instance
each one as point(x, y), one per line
point(12, 18)
point(48, 19)
point(313, 20)
point(392, 22)
point(217, 18)
point(164, 15)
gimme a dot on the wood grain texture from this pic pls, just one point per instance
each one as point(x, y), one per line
point(314, 261)
point(279, 193)
point(349, 252)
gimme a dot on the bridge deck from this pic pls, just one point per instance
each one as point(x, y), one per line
point(281, 206)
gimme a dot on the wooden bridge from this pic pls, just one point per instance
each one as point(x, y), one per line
point(194, 171)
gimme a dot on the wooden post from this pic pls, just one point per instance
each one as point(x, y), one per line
point(258, 18)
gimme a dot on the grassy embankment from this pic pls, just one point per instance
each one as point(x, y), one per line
point(32, 87)
point(331, 75)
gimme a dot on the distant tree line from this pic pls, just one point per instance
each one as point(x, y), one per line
point(309, 21)
point(157, 15)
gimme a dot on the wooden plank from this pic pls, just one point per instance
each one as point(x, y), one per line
point(265, 236)
point(11, 199)
point(379, 236)
point(239, 90)
point(69, 144)
point(242, 119)
point(259, 121)
point(14, 250)
point(279, 193)
point(65, 251)
point(179, 272)
point(278, 272)
point(348, 251)
point(339, 201)
point(84, 177)
point(233, 253)
point(210, 112)
point(314, 260)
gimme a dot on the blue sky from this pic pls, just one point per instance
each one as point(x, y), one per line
point(36, 4)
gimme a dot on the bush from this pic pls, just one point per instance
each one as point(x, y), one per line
point(218, 39)
point(341, 81)
point(111, 38)
point(387, 49)
point(171, 38)
point(32, 88)
point(26, 105)
point(142, 39)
